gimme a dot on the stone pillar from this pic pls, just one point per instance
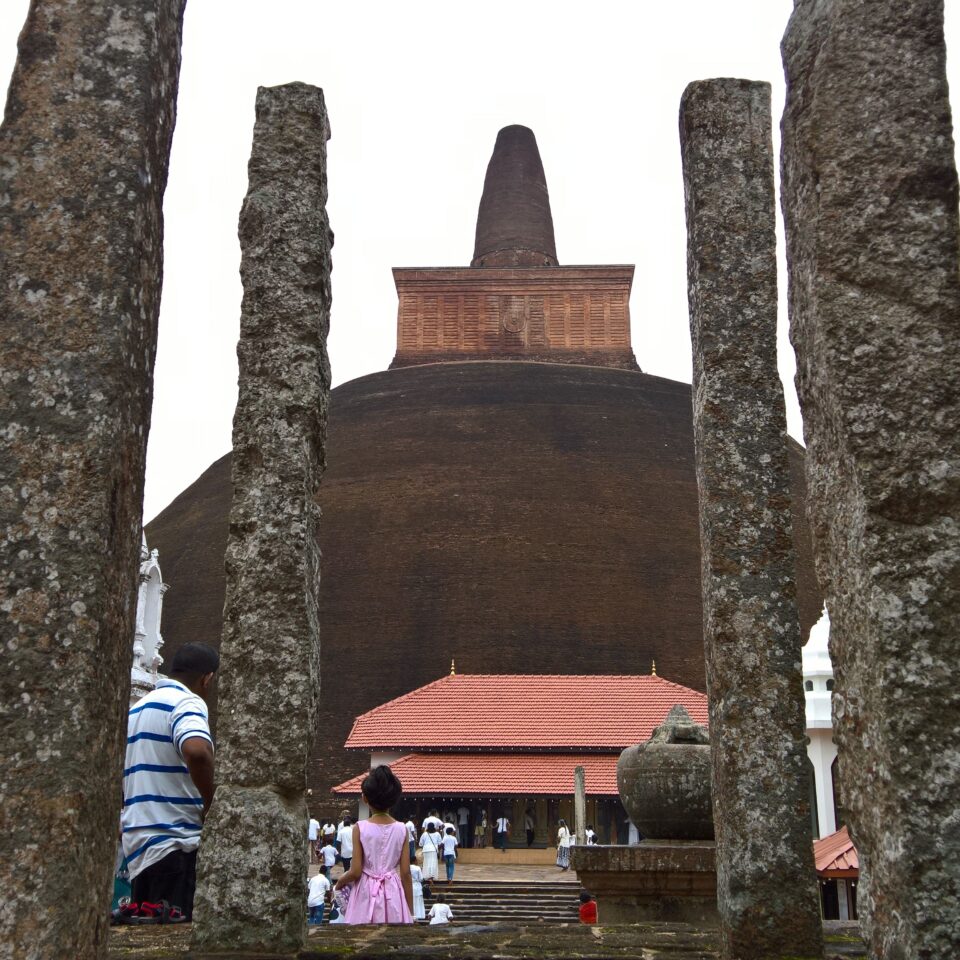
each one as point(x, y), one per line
point(84, 148)
point(580, 804)
point(870, 207)
point(766, 886)
point(253, 859)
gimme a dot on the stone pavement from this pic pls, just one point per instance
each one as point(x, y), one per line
point(660, 941)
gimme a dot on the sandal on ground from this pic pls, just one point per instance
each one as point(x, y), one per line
point(171, 914)
point(137, 914)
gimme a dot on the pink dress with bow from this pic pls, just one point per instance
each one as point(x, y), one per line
point(377, 897)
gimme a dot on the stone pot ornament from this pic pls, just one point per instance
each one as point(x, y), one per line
point(665, 783)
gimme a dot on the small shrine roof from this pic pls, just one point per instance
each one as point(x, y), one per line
point(497, 774)
point(836, 856)
point(540, 712)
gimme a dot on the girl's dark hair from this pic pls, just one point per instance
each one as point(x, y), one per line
point(381, 788)
point(431, 827)
point(585, 896)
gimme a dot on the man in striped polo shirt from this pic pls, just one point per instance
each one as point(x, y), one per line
point(168, 780)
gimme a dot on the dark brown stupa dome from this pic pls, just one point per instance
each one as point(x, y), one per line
point(514, 224)
point(520, 517)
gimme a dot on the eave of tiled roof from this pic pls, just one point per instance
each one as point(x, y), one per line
point(525, 712)
point(497, 774)
point(836, 856)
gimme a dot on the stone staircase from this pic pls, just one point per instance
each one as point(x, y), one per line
point(494, 901)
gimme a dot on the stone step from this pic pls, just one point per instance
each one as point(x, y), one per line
point(493, 901)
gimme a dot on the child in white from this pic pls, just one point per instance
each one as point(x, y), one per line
point(450, 852)
point(440, 912)
point(329, 854)
point(317, 890)
point(416, 876)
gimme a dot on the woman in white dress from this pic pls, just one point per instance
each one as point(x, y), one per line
point(419, 913)
point(563, 846)
point(430, 844)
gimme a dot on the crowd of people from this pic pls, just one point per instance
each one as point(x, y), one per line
point(388, 866)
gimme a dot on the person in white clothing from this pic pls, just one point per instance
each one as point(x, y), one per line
point(450, 851)
point(328, 832)
point(430, 843)
point(412, 839)
point(419, 913)
point(345, 836)
point(313, 832)
point(463, 824)
point(329, 854)
point(500, 830)
point(318, 890)
point(440, 912)
point(433, 818)
point(563, 846)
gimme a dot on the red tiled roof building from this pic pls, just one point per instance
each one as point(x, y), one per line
point(509, 743)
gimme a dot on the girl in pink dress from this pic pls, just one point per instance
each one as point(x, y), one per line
point(382, 890)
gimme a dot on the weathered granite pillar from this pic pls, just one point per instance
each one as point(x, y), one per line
point(83, 165)
point(253, 860)
point(870, 204)
point(580, 805)
point(766, 886)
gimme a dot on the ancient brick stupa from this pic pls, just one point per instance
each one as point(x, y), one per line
point(513, 492)
point(506, 310)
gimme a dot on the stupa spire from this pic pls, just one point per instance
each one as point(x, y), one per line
point(514, 224)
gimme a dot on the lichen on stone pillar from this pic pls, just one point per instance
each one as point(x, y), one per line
point(873, 241)
point(84, 149)
point(766, 886)
point(252, 866)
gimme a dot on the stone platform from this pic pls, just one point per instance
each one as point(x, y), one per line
point(652, 941)
point(655, 880)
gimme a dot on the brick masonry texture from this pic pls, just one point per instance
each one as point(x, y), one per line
point(252, 862)
point(514, 223)
point(870, 208)
point(84, 148)
point(766, 888)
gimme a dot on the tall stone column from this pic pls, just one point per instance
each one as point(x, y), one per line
point(580, 805)
point(870, 205)
point(84, 148)
point(253, 860)
point(766, 886)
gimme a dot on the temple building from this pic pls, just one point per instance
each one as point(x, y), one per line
point(513, 492)
point(507, 745)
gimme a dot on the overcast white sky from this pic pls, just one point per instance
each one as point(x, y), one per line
point(416, 92)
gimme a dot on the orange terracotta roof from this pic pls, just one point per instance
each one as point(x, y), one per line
point(836, 856)
point(496, 774)
point(523, 712)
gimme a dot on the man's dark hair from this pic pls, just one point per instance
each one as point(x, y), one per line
point(347, 820)
point(381, 788)
point(194, 660)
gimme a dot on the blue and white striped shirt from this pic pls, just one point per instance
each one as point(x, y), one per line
point(161, 806)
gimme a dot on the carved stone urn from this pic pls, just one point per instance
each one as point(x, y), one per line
point(665, 783)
